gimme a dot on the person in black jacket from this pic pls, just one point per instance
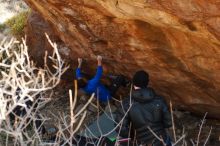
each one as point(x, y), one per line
point(147, 112)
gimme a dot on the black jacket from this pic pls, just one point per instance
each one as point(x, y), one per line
point(147, 111)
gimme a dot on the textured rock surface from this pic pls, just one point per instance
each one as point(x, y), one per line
point(177, 42)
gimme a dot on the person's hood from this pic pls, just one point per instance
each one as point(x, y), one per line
point(143, 95)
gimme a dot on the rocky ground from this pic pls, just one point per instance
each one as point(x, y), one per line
point(183, 119)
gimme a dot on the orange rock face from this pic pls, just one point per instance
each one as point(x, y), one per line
point(177, 42)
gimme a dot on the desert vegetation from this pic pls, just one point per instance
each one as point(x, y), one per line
point(17, 23)
point(21, 82)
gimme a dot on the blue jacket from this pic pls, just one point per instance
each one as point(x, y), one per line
point(94, 85)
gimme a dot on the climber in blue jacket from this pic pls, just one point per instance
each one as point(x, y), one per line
point(94, 85)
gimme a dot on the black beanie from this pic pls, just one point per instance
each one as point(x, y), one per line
point(141, 79)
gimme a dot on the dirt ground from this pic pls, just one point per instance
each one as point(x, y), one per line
point(183, 119)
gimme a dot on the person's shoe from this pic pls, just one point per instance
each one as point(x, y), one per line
point(121, 80)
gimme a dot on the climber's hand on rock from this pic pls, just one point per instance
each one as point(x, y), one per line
point(99, 59)
point(79, 62)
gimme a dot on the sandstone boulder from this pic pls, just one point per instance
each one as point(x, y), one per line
point(177, 42)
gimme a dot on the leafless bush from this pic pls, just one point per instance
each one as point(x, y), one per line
point(177, 139)
point(71, 126)
point(21, 82)
point(180, 140)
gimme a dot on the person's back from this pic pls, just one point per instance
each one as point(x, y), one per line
point(148, 113)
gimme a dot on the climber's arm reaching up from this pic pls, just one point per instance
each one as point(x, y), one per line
point(78, 70)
